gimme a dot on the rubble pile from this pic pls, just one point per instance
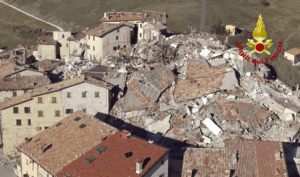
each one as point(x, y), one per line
point(191, 88)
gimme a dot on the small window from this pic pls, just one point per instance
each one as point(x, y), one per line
point(25, 91)
point(77, 119)
point(53, 99)
point(27, 110)
point(32, 166)
point(89, 37)
point(140, 25)
point(63, 36)
point(16, 110)
point(14, 94)
point(118, 30)
point(97, 94)
point(124, 46)
point(162, 175)
point(40, 114)
point(40, 100)
point(29, 121)
point(67, 45)
point(83, 94)
point(94, 48)
point(84, 110)
point(82, 126)
point(26, 161)
point(46, 128)
point(140, 34)
point(162, 161)
point(94, 38)
point(117, 37)
point(18, 121)
point(57, 125)
point(115, 48)
point(91, 56)
point(68, 94)
point(118, 47)
point(69, 111)
point(89, 159)
point(57, 113)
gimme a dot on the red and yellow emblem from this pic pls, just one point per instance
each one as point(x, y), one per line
point(260, 34)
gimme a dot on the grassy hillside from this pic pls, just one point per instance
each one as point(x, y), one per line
point(17, 28)
point(280, 17)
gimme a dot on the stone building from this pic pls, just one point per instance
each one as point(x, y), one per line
point(106, 39)
point(125, 155)
point(231, 29)
point(151, 31)
point(47, 49)
point(61, 37)
point(47, 152)
point(24, 116)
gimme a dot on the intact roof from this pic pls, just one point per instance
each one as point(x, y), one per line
point(57, 87)
point(24, 83)
point(66, 140)
point(115, 160)
point(293, 51)
point(15, 100)
point(45, 40)
point(121, 16)
point(209, 162)
point(254, 158)
point(23, 69)
point(103, 29)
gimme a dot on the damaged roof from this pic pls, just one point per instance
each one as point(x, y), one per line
point(246, 112)
point(150, 16)
point(47, 65)
point(114, 158)
point(245, 158)
point(158, 26)
point(23, 69)
point(7, 67)
point(201, 80)
point(60, 144)
point(46, 40)
point(121, 16)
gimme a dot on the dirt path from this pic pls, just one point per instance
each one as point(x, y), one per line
point(60, 29)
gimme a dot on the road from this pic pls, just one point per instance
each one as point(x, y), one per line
point(59, 28)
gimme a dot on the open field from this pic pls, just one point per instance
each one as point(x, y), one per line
point(280, 17)
point(17, 28)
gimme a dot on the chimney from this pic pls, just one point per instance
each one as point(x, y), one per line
point(189, 173)
point(297, 87)
point(104, 14)
point(227, 173)
point(125, 134)
point(139, 165)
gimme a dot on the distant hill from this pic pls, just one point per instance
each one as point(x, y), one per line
point(281, 18)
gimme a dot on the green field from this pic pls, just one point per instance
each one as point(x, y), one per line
point(17, 28)
point(281, 18)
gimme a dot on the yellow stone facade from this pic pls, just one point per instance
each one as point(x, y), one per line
point(14, 134)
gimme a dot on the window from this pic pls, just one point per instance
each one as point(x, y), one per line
point(67, 45)
point(115, 48)
point(118, 47)
point(140, 34)
point(14, 94)
point(26, 161)
point(57, 113)
point(162, 161)
point(40, 113)
point(89, 37)
point(16, 110)
point(94, 38)
point(83, 94)
point(68, 94)
point(32, 166)
point(88, 47)
point(63, 36)
point(18, 121)
point(118, 30)
point(94, 48)
point(91, 56)
point(124, 46)
point(18, 75)
point(53, 99)
point(25, 91)
point(140, 25)
point(162, 175)
point(46, 128)
point(27, 110)
point(96, 94)
point(69, 111)
point(117, 37)
point(84, 110)
point(40, 100)
point(29, 121)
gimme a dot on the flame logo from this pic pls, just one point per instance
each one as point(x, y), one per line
point(259, 34)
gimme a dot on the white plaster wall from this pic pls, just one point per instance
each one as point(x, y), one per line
point(64, 49)
point(159, 169)
point(98, 43)
point(289, 57)
point(91, 103)
point(140, 31)
point(27, 168)
point(43, 173)
point(47, 52)
point(9, 94)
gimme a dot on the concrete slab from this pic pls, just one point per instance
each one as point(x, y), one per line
point(160, 126)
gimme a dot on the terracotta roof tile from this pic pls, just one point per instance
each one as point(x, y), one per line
point(293, 51)
point(15, 100)
point(24, 83)
point(114, 158)
point(45, 40)
point(121, 16)
point(67, 140)
point(101, 29)
point(6, 67)
point(47, 65)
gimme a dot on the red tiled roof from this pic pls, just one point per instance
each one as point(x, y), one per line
point(254, 158)
point(115, 160)
point(102, 29)
point(121, 16)
point(67, 140)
